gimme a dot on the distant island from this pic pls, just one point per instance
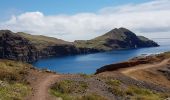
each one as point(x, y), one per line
point(29, 48)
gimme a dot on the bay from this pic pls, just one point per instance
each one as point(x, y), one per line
point(88, 63)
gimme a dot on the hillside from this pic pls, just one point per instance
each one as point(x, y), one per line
point(40, 41)
point(29, 48)
point(117, 39)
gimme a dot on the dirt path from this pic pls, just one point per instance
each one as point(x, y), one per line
point(144, 66)
point(40, 83)
point(43, 86)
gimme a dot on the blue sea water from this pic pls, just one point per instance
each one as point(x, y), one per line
point(90, 62)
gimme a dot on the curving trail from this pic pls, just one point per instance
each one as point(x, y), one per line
point(144, 66)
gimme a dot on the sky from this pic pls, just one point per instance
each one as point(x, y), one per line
point(85, 19)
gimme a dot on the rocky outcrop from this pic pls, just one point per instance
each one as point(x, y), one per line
point(15, 47)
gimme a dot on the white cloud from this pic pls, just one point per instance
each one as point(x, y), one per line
point(147, 19)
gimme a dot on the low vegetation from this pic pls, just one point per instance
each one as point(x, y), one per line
point(73, 90)
point(133, 92)
point(85, 75)
point(42, 41)
point(69, 86)
point(115, 87)
point(13, 85)
point(13, 91)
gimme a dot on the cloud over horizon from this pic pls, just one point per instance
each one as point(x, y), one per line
point(148, 19)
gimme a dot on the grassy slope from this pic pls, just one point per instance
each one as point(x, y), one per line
point(99, 42)
point(42, 41)
point(13, 85)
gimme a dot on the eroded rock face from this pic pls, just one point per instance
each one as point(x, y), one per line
point(15, 47)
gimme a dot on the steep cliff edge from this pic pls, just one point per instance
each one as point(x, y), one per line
point(14, 47)
point(49, 46)
point(117, 39)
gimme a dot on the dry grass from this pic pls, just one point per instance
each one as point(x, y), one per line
point(13, 71)
point(13, 85)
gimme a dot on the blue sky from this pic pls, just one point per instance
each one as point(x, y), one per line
point(85, 19)
point(50, 7)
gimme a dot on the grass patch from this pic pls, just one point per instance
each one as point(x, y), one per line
point(13, 85)
point(73, 90)
point(134, 92)
point(85, 75)
point(143, 94)
point(113, 82)
point(92, 96)
point(65, 96)
point(16, 91)
point(68, 86)
point(13, 71)
point(115, 87)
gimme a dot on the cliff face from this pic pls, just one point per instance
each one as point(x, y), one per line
point(117, 39)
point(20, 47)
point(29, 48)
point(49, 46)
point(15, 47)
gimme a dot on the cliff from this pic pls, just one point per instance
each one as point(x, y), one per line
point(29, 48)
point(14, 47)
point(49, 46)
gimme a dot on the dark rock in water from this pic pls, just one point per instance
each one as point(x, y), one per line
point(29, 48)
point(14, 47)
